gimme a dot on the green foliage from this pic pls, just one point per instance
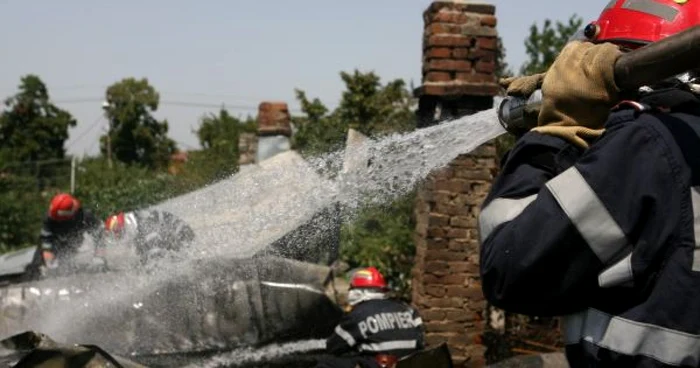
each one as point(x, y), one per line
point(382, 236)
point(219, 136)
point(121, 188)
point(502, 68)
point(21, 209)
point(374, 109)
point(543, 45)
point(32, 158)
point(366, 105)
point(318, 132)
point(137, 137)
point(31, 127)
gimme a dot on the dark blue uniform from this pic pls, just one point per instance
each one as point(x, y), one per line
point(609, 237)
point(375, 327)
point(63, 238)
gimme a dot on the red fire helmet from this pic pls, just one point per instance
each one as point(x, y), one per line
point(63, 207)
point(368, 277)
point(634, 23)
point(115, 224)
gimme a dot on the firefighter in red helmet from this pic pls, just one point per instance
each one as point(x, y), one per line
point(63, 229)
point(378, 331)
point(152, 233)
point(595, 213)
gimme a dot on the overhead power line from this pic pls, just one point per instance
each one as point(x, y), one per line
point(94, 124)
point(223, 95)
point(172, 103)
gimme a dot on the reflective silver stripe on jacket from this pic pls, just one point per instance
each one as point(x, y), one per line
point(500, 211)
point(345, 336)
point(389, 345)
point(588, 214)
point(619, 274)
point(632, 338)
point(652, 7)
point(695, 199)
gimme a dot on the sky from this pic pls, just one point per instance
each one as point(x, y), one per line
point(201, 55)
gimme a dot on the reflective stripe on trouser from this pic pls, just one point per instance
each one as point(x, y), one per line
point(695, 199)
point(632, 338)
point(389, 345)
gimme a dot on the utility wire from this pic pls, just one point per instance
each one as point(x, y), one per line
point(163, 92)
point(85, 132)
point(172, 103)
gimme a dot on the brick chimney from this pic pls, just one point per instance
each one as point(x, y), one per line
point(274, 130)
point(459, 43)
point(459, 60)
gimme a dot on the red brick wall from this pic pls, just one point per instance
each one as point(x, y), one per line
point(458, 74)
point(274, 119)
point(459, 49)
point(446, 284)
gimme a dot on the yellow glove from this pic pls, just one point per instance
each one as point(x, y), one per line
point(522, 86)
point(578, 91)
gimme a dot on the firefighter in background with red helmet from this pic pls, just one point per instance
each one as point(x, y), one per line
point(150, 232)
point(63, 229)
point(378, 331)
point(595, 213)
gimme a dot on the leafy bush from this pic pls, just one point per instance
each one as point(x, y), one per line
point(124, 187)
point(382, 236)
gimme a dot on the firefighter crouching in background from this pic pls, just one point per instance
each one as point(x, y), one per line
point(62, 234)
point(150, 232)
point(377, 331)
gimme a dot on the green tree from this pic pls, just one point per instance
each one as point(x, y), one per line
point(136, 136)
point(374, 109)
point(502, 67)
point(317, 131)
point(31, 127)
point(219, 136)
point(543, 45)
point(21, 208)
point(382, 236)
point(121, 188)
point(33, 132)
point(366, 105)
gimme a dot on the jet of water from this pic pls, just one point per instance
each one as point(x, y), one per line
point(244, 356)
point(237, 217)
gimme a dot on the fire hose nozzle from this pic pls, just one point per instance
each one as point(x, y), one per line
point(511, 112)
point(649, 64)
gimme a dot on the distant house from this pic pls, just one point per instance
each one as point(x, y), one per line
point(177, 161)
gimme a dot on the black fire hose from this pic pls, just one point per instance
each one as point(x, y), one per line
point(647, 65)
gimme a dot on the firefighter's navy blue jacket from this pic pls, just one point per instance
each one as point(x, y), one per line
point(378, 327)
point(609, 237)
point(65, 237)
